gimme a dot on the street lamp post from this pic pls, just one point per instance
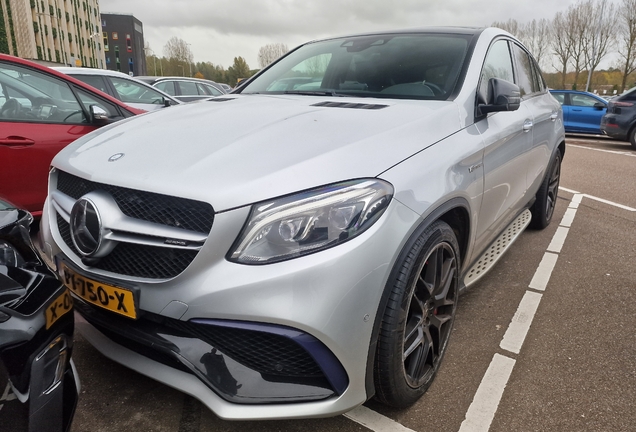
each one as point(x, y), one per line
point(190, 60)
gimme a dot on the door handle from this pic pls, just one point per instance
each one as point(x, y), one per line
point(577, 109)
point(15, 141)
point(527, 125)
point(554, 116)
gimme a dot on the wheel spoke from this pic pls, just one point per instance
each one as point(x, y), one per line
point(416, 343)
point(448, 273)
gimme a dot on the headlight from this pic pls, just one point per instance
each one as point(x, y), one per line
point(9, 256)
point(310, 221)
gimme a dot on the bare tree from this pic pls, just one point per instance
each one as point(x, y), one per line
point(178, 49)
point(271, 52)
point(561, 44)
point(536, 36)
point(511, 26)
point(600, 35)
point(578, 25)
point(626, 17)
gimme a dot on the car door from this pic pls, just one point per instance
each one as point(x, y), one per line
point(136, 94)
point(545, 113)
point(45, 115)
point(586, 113)
point(563, 99)
point(507, 137)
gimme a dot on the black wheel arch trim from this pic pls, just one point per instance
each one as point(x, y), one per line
point(432, 217)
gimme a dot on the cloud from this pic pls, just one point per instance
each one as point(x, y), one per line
point(220, 30)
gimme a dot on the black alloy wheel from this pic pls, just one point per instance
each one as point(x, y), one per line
point(430, 313)
point(418, 319)
point(546, 198)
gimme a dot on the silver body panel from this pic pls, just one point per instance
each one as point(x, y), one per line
point(235, 153)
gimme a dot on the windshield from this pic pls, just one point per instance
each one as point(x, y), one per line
point(404, 66)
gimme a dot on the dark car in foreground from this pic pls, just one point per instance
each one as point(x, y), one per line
point(302, 248)
point(620, 121)
point(38, 382)
point(582, 111)
point(41, 112)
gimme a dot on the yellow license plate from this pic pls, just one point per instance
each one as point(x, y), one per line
point(115, 299)
point(60, 306)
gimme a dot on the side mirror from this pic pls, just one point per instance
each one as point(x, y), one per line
point(99, 115)
point(502, 96)
point(166, 102)
point(600, 105)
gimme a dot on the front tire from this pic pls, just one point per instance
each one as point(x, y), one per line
point(418, 319)
point(543, 208)
point(632, 137)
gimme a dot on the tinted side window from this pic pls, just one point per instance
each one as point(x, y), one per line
point(32, 96)
point(497, 65)
point(93, 81)
point(524, 71)
point(582, 100)
point(560, 97)
point(89, 99)
point(132, 92)
point(629, 96)
point(167, 87)
point(188, 88)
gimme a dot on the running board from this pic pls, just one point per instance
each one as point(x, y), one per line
point(497, 249)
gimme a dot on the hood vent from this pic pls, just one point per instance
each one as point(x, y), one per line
point(350, 105)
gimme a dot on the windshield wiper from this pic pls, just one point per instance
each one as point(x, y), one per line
point(313, 93)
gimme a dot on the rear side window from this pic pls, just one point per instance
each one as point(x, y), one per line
point(524, 71)
point(560, 97)
point(167, 87)
point(188, 88)
point(93, 81)
point(629, 96)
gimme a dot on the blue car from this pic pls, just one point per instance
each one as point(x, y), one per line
point(582, 111)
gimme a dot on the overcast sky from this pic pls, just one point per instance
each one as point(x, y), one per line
point(219, 30)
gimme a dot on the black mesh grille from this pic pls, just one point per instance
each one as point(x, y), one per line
point(267, 353)
point(153, 207)
point(137, 260)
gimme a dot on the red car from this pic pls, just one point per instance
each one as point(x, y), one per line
point(42, 111)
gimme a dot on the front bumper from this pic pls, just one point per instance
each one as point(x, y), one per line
point(331, 297)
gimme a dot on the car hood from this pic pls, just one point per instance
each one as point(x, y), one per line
point(237, 150)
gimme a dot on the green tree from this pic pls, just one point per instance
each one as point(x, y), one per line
point(238, 70)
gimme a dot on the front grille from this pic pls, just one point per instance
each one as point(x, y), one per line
point(148, 206)
point(136, 260)
point(269, 354)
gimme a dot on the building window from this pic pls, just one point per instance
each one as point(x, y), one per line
point(128, 43)
point(103, 23)
point(115, 36)
point(105, 38)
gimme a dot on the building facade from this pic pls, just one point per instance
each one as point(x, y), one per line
point(123, 39)
point(56, 31)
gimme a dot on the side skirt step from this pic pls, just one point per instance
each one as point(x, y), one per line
point(497, 249)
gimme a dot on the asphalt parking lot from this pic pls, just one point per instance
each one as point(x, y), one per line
point(544, 342)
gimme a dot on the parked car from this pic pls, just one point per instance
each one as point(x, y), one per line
point(127, 89)
point(38, 383)
point(42, 111)
point(226, 87)
point(620, 121)
point(582, 111)
point(301, 251)
point(185, 89)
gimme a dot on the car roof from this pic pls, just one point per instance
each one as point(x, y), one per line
point(106, 72)
point(89, 71)
point(69, 78)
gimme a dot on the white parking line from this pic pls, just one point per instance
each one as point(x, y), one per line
point(559, 238)
point(568, 190)
point(486, 401)
point(625, 153)
point(604, 201)
point(521, 321)
point(544, 271)
point(484, 405)
point(374, 421)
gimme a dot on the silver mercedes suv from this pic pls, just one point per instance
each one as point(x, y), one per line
point(297, 247)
